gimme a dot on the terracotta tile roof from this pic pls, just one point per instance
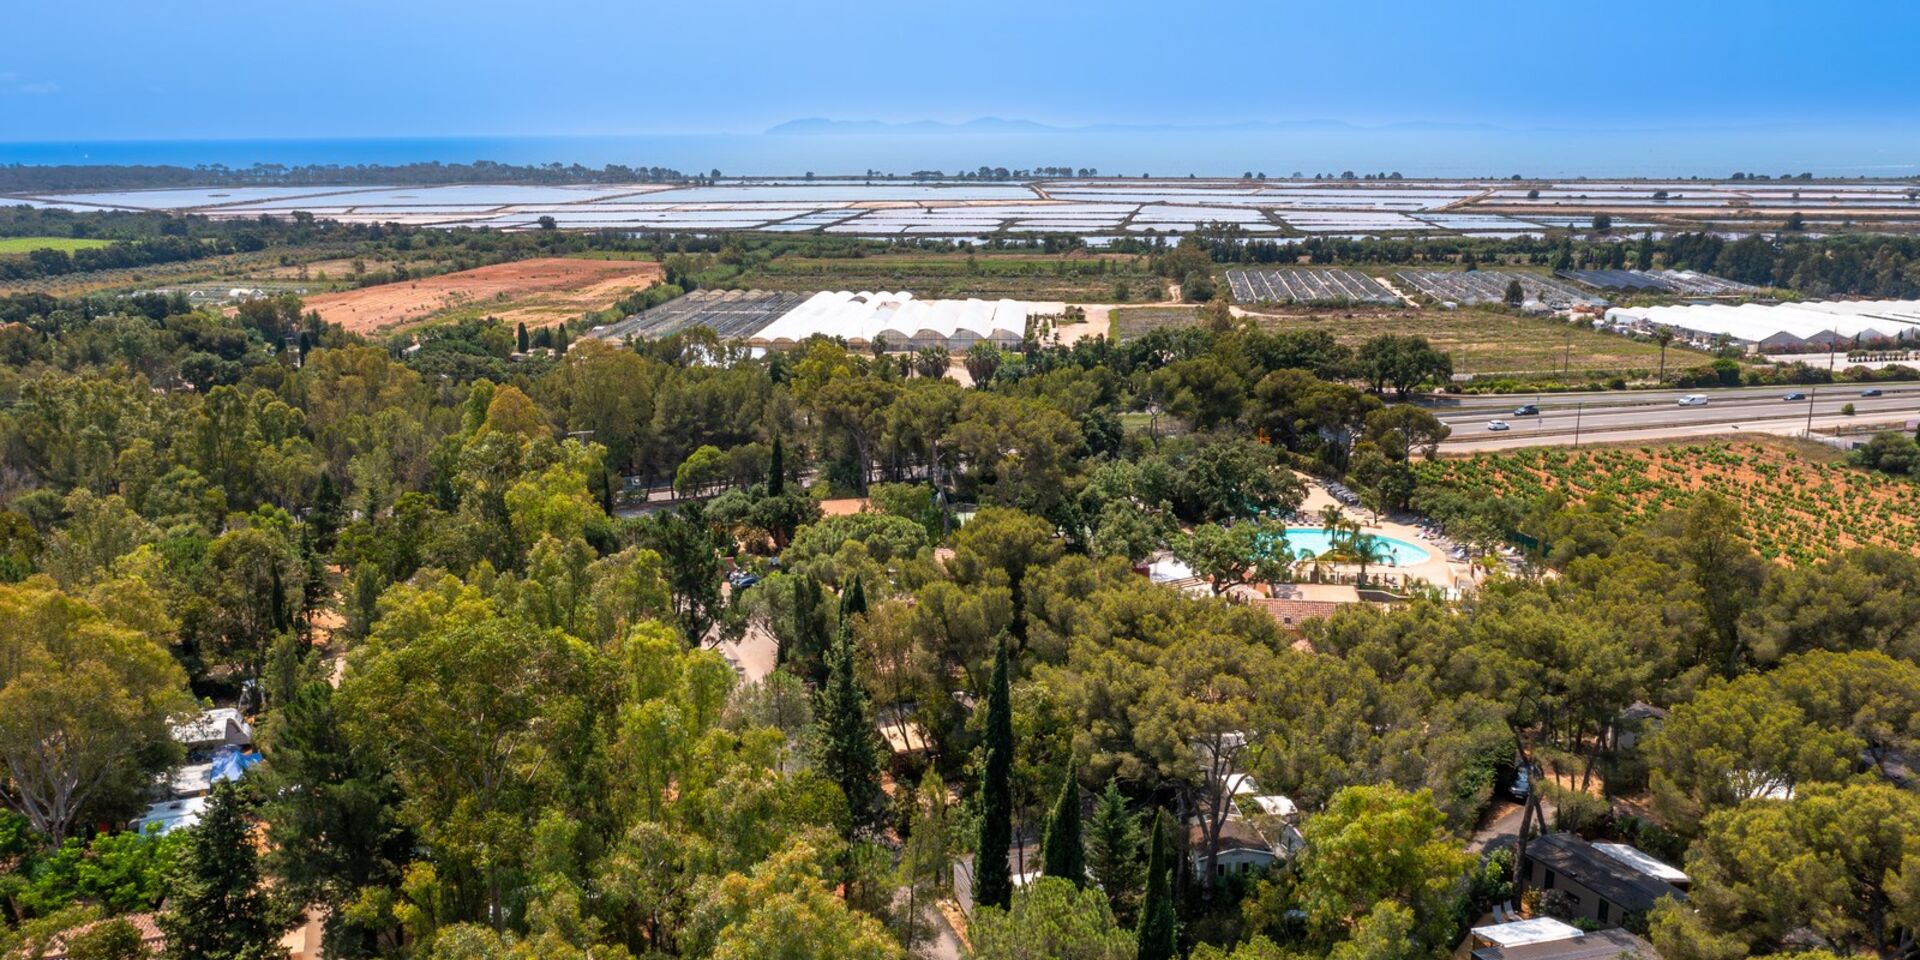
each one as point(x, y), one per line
point(144, 923)
point(1290, 613)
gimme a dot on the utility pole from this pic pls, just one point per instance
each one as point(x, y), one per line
point(1811, 395)
point(1576, 424)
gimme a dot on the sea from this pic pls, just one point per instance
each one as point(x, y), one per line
point(1414, 150)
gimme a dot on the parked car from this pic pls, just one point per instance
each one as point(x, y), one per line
point(1796, 395)
point(1870, 392)
point(1498, 425)
point(1526, 410)
point(1693, 400)
point(1522, 783)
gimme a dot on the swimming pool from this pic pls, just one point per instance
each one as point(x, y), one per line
point(1399, 553)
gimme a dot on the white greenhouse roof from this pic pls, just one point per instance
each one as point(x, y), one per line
point(1794, 322)
point(901, 318)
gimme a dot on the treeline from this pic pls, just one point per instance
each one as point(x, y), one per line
point(24, 178)
point(1850, 265)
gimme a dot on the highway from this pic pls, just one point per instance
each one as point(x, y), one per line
point(1655, 414)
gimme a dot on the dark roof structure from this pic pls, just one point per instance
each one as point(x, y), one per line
point(1577, 860)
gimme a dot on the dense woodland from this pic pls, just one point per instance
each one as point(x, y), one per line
point(495, 725)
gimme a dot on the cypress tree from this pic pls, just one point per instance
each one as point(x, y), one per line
point(810, 630)
point(520, 337)
point(777, 469)
point(1157, 933)
point(325, 516)
point(1113, 850)
point(852, 603)
point(1065, 854)
point(993, 881)
point(850, 752)
point(218, 910)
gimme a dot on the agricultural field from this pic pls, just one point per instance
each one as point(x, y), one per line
point(534, 292)
point(64, 244)
point(1801, 501)
point(1081, 277)
point(1130, 322)
point(1485, 342)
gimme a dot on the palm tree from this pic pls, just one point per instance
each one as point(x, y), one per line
point(931, 362)
point(1364, 549)
point(1663, 336)
point(1333, 522)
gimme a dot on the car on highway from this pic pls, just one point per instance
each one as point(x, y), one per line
point(1526, 410)
point(1693, 400)
point(1796, 395)
point(1870, 392)
point(1499, 425)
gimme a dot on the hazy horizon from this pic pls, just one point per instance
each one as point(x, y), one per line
point(1643, 72)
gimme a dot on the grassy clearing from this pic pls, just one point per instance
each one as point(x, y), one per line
point(1801, 501)
point(1130, 322)
point(63, 244)
point(1076, 277)
point(1490, 342)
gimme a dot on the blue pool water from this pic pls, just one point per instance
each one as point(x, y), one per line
point(1399, 552)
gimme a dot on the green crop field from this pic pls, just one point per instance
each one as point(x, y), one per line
point(1021, 276)
point(1130, 322)
point(28, 244)
point(1495, 342)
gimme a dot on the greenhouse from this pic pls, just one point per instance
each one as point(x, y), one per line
point(904, 323)
point(1786, 325)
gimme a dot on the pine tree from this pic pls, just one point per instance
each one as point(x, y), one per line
point(218, 910)
point(332, 814)
point(993, 880)
point(1113, 850)
point(850, 749)
point(1158, 930)
point(777, 469)
point(1064, 853)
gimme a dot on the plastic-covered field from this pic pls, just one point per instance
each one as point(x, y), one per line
point(1490, 286)
point(1092, 207)
point(1307, 285)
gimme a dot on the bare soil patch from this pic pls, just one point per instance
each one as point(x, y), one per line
point(535, 291)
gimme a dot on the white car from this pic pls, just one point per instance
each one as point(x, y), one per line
point(1693, 400)
point(1498, 425)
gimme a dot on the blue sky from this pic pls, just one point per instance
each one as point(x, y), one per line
point(119, 69)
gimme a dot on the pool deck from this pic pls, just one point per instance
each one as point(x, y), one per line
point(1437, 570)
